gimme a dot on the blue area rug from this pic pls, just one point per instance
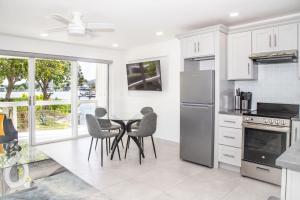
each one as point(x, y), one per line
point(63, 186)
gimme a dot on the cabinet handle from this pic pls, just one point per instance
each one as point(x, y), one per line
point(275, 40)
point(270, 44)
point(195, 50)
point(296, 134)
point(198, 46)
point(227, 121)
point(248, 68)
point(228, 155)
point(229, 137)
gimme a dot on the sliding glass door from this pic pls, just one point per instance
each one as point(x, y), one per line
point(47, 100)
point(52, 100)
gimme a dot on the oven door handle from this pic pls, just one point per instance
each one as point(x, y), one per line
point(266, 127)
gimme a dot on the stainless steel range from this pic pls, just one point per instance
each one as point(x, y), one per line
point(266, 135)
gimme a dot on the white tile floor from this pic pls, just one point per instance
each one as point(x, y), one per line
point(164, 178)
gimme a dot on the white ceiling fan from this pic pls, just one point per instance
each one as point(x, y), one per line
point(76, 27)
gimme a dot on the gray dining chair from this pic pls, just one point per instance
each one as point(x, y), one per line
point(146, 129)
point(136, 125)
point(144, 110)
point(94, 129)
point(106, 125)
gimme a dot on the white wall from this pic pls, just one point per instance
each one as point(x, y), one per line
point(276, 83)
point(165, 103)
point(14, 43)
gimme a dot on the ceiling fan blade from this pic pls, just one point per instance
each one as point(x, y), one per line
point(54, 30)
point(101, 27)
point(60, 19)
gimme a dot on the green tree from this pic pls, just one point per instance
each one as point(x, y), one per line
point(52, 71)
point(81, 79)
point(13, 70)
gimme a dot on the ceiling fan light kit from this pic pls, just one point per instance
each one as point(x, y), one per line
point(76, 27)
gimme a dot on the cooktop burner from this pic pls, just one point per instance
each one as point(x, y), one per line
point(271, 110)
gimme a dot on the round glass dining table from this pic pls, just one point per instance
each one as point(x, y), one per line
point(125, 121)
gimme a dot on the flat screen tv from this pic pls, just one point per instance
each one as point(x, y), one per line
point(144, 76)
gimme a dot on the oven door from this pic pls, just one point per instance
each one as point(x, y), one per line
point(263, 144)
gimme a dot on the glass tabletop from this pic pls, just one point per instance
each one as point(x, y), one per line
point(125, 116)
point(18, 156)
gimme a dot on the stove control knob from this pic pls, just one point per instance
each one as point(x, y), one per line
point(272, 122)
point(276, 122)
point(282, 122)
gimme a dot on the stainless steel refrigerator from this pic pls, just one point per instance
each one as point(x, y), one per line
point(197, 117)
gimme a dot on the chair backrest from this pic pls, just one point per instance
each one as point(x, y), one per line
point(100, 112)
point(93, 125)
point(148, 125)
point(146, 110)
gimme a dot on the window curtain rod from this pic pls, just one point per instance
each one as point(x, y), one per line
point(50, 56)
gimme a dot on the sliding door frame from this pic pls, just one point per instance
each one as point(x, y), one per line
point(74, 99)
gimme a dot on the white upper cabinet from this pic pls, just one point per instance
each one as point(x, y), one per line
point(285, 37)
point(275, 38)
point(199, 45)
point(262, 40)
point(239, 66)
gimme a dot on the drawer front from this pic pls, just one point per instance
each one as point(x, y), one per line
point(230, 136)
point(230, 121)
point(230, 155)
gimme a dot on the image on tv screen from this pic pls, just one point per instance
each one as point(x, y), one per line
point(144, 76)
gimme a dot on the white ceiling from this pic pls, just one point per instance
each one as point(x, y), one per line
point(136, 20)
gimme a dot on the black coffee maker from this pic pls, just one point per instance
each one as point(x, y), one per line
point(246, 100)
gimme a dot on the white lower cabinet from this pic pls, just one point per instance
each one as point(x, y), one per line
point(230, 155)
point(291, 184)
point(230, 139)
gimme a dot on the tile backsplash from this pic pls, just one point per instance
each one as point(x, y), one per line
point(276, 83)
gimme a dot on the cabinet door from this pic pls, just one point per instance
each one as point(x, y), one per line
point(187, 51)
point(263, 40)
point(286, 37)
point(292, 185)
point(295, 132)
point(239, 49)
point(205, 45)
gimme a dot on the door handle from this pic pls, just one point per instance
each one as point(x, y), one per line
point(248, 68)
point(227, 121)
point(29, 100)
point(229, 137)
point(228, 155)
point(263, 169)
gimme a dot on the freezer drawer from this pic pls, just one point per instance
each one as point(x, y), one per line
point(197, 87)
point(197, 134)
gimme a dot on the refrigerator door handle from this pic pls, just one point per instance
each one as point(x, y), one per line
point(197, 105)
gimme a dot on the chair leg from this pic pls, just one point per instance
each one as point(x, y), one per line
point(96, 144)
point(153, 146)
point(118, 150)
point(127, 146)
point(122, 143)
point(109, 145)
point(90, 148)
point(101, 152)
point(140, 151)
point(106, 146)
